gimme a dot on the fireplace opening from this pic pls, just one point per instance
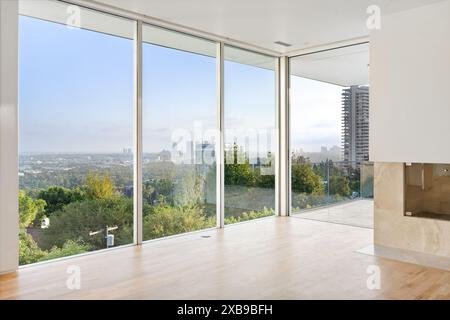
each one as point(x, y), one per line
point(427, 190)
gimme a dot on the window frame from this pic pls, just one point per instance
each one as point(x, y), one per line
point(138, 40)
point(282, 161)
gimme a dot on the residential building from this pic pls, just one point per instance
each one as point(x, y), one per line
point(355, 124)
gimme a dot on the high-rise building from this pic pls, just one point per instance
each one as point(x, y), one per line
point(355, 124)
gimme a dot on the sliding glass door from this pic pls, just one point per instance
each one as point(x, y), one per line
point(179, 133)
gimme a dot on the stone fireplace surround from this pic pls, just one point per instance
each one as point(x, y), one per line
point(392, 229)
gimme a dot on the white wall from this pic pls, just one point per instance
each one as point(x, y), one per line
point(410, 86)
point(9, 228)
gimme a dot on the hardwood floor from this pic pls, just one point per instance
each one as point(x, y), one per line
point(273, 258)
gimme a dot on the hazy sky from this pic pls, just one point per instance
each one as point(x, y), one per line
point(76, 94)
point(315, 114)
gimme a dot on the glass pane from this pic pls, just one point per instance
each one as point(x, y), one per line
point(330, 136)
point(427, 190)
point(179, 121)
point(250, 140)
point(76, 134)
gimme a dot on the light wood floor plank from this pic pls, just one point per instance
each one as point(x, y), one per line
point(274, 258)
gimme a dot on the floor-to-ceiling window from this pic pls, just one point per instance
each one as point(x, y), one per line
point(250, 140)
point(330, 136)
point(76, 136)
point(179, 133)
point(77, 130)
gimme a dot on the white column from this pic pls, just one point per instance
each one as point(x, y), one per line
point(137, 189)
point(220, 143)
point(283, 178)
point(9, 182)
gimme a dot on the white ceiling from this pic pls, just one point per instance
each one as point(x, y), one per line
point(307, 23)
point(56, 11)
point(344, 66)
point(302, 23)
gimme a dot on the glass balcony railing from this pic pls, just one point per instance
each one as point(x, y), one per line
point(328, 186)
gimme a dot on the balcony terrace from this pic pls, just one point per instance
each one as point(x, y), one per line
point(354, 213)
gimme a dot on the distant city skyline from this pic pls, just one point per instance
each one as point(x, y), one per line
point(334, 154)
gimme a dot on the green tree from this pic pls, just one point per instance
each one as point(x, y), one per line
point(76, 220)
point(190, 190)
point(148, 192)
point(99, 186)
point(29, 251)
point(165, 187)
point(354, 177)
point(305, 180)
point(265, 180)
point(239, 172)
point(250, 215)
point(339, 185)
point(165, 220)
point(57, 197)
point(29, 209)
point(69, 248)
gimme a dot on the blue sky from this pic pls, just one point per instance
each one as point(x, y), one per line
point(71, 98)
point(180, 90)
point(76, 94)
